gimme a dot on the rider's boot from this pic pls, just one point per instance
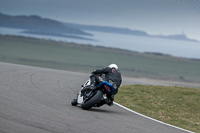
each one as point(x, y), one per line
point(110, 100)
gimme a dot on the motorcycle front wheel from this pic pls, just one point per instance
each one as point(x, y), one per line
point(74, 102)
point(91, 102)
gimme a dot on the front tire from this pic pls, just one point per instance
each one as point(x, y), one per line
point(91, 102)
point(74, 102)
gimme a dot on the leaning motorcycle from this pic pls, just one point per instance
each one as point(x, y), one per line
point(89, 97)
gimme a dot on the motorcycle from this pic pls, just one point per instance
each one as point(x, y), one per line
point(89, 97)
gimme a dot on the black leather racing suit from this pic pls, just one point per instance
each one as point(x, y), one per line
point(112, 76)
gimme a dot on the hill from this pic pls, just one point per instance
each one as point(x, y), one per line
point(108, 29)
point(127, 31)
point(37, 25)
point(43, 26)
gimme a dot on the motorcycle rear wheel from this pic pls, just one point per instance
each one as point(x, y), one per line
point(91, 102)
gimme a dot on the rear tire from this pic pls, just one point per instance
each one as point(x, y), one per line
point(95, 99)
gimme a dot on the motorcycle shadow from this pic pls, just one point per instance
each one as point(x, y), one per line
point(102, 110)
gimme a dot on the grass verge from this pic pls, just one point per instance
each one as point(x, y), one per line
point(178, 106)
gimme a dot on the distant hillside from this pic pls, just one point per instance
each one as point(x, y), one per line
point(37, 25)
point(177, 37)
point(107, 29)
point(43, 26)
point(126, 31)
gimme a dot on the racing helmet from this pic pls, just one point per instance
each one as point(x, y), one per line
point(113, 66)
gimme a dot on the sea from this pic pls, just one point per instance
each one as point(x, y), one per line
point(178, 48)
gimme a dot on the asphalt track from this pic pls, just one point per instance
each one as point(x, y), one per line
point(38, 100)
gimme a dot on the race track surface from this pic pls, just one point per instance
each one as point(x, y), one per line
point(38, 100)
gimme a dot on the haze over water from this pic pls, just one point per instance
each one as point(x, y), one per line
point(155, 17)
point(177, 48)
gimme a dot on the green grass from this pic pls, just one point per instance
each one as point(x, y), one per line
point(178, 106)
point(85, 58)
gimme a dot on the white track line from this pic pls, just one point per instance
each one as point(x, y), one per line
point(151, 118)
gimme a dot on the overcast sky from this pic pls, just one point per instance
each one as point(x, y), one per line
point(164, 17)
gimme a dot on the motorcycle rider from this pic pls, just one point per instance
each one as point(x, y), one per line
point(112, 77)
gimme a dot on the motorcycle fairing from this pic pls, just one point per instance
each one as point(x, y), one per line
point(80, 97)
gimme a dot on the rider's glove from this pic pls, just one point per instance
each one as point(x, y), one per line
point(93, 72)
